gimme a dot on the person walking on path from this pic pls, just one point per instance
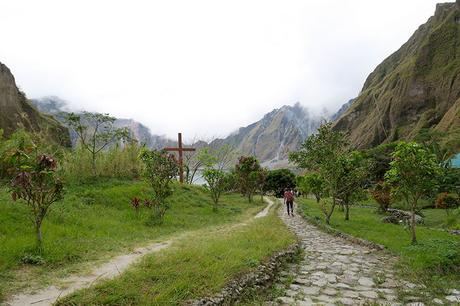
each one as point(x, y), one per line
point(289, 201)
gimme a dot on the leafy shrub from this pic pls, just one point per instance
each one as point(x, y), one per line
point(34, 183)
point(447, 201)
point(31, 259)
point(381, 193)
point(21, 140)
point(215, 184)
point(160, 170)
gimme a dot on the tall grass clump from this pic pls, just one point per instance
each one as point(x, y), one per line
point(121, 162)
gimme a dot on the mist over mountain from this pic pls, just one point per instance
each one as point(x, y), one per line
point(59, 108)
point(271, 138)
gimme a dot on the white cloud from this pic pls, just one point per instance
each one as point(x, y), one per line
point(201, 67)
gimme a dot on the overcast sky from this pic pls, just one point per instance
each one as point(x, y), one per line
point(201, 67)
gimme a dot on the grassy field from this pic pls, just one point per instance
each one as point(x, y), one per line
point(435, 218)
point(434, 261)
point(96, 221)
point(192, 268)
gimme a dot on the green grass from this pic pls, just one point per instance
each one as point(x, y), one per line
point(434, 261)
point(438, 218)
point(95, 221)
point(192, 268)
point(434, 218)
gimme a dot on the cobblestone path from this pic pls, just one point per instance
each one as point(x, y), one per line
point(335, 271)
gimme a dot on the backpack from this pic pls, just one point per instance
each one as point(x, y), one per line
point(289, 196)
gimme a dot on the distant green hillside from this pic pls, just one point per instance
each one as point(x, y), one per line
point(416, 88)
point(16, 112)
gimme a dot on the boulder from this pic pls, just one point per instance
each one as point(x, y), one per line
point(397, 216)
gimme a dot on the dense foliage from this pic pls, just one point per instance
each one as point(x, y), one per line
point(34, 182)
point(216, 181)
point(247, 172)
point(160, 170)
point(312, 183)
point(353, 178)
point(381, 193)
point(325, 153)
point(278, 180)
point(414, 173)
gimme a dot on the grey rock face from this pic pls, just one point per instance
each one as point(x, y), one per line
point(275, 135)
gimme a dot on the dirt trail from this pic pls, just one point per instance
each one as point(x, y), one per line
point(265, 211)
point(111, 269)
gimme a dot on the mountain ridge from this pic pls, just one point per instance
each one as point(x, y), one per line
point(269, 139)
point(59, 108)
point(414, 89)
point(272, 137)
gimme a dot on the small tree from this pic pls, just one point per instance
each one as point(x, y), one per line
point(246, 172)
point(95, 132)
point(280, 179)
point(413, 174)
point(223, 156)
point(36, 184)
point(354, 174)
point(160, 170)
point(215, 184)
point(324, 153)
point(262, 176)
point(193, 161)
point(313, 183)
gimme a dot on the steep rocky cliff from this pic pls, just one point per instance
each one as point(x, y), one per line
point(417, 87)
point(16, 112)
point(271, 138)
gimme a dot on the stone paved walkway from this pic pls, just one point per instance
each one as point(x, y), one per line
point(337, 272)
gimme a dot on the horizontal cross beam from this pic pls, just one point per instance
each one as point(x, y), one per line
point(179, 149)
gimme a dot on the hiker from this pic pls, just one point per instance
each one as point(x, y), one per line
point(289, 201)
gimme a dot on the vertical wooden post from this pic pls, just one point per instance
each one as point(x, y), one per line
point(181, 158)
point(180, 149)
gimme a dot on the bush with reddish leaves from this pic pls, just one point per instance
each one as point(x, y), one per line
point(447, 201)
point(381, 193)
point(36, 184)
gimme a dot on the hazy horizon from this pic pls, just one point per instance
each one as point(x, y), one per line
point(205, 68)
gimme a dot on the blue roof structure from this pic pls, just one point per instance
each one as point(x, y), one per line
point(455, 161)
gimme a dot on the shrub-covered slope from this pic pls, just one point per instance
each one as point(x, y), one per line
point(417, 87)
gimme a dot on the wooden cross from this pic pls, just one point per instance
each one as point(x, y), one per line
point(180, 149)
